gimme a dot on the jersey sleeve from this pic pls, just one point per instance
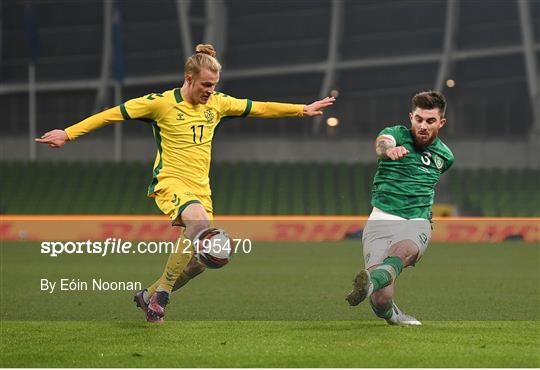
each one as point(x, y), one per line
point(394, 132)
point(449, 161)
point(147, 107)
point(94, 122)
point(276, 110)
point(233, 107)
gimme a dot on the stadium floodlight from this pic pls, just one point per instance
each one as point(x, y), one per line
point(332, 121)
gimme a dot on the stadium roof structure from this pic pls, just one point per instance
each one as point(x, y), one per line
point(375, 53)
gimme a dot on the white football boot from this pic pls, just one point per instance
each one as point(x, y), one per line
point(399, 318)
point(362, 288)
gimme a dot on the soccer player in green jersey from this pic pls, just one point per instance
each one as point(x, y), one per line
point(398, 230)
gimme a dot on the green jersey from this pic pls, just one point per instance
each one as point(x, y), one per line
point(406, 187)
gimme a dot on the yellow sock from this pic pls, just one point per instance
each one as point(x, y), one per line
point(174, 268)
point(192, 270)
point(182, 280)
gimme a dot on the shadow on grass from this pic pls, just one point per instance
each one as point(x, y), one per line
point(136, 325)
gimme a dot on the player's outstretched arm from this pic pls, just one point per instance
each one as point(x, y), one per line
point(316, 108)
point(58, 138)
point(54, 138)
point(385, 148)
point(278, 110)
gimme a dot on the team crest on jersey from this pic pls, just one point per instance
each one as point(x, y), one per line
point(209, 115)
point(439, 163)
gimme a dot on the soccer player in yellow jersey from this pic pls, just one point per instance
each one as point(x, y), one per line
point(183, 121)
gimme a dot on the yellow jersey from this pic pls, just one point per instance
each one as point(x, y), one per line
point(183, 132)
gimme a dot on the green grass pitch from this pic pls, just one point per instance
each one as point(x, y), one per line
point(282, 305)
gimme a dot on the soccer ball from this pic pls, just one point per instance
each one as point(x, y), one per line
point(213, 247)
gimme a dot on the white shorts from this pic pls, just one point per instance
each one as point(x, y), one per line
point(383, 230)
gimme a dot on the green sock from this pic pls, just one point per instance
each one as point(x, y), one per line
point(395, 262)
point(380, 278)
point(382, 312)
point(383, 275)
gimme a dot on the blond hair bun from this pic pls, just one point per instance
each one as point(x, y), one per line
point(206, 49)
point(204, 58)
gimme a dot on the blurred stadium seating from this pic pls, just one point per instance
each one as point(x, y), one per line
point(249, 189)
